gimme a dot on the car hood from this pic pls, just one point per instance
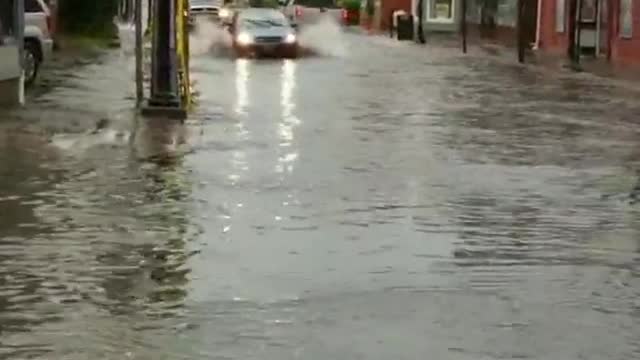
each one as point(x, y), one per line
point(267, 31)
point(204, 4)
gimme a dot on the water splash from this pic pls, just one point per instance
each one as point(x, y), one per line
point(209, 37)
point(324, 37)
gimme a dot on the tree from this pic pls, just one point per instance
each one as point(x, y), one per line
point(93, 17)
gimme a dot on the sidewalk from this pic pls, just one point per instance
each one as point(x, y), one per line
point(625, 76)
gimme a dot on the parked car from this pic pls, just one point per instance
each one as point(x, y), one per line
point(263, 31)
point(230, 9)
point(38, 42)
point(204, 8)
point(305, 12)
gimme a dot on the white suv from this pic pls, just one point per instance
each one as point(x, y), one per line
point(38, 43)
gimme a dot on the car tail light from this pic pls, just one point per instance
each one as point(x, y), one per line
point(345, 15)
point(298, 11)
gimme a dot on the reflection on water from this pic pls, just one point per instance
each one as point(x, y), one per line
point(288, 119)
point(404, 209)
point(242, 74)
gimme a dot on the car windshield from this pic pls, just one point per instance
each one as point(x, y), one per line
point(267, 20)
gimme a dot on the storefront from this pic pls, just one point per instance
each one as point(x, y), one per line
point(625, 43)
point(608, 28)
point(496, 20)
point(441, 15)
point(11, 30)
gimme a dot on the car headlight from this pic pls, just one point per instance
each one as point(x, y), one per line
point(224, 13)
point(244, 39)
point(290, 39)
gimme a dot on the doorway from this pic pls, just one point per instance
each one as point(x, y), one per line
point(530, 21)
point(589, 27)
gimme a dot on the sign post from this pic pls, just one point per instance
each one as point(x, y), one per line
point(139, 54)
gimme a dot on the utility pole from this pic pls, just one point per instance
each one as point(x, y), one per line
point(520, 32)
point(139, 53)
point(578, 33)
point(18, 15)
point(420, 12)
point(463, 26)
point(164, 99)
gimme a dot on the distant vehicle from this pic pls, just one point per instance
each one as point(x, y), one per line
point(204, 8)
point(230, 9)
point(38, 41)
point(263, 31)
point(291, 11)
point(304, 12)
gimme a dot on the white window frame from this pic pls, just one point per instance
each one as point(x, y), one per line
point(561, 21)
point(622, 33)
point(450, 20)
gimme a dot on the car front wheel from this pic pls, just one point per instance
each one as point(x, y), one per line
point(31, 63)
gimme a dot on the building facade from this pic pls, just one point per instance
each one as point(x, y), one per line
point(441, 15)
point(497, 20)
point(11, 34)
point(609, 29)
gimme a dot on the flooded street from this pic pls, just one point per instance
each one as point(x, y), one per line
point(378, 201)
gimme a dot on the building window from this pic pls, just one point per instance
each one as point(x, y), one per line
point(561, 17)
point(626, 19)
point(441, 11)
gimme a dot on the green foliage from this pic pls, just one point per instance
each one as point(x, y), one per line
point(94, 17)
point(350, 4)
point(273, 4)
point(318, 3)
point(370, 7)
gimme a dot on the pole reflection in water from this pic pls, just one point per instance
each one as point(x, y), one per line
point(242, 92)
point(159, 140)
point(289, 119)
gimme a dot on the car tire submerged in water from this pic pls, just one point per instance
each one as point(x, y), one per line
point(291, 54)
point(31, 62)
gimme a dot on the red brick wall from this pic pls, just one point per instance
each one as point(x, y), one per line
point(626, 50)
point(550, 39)
point(622, 50)
point(388, 7)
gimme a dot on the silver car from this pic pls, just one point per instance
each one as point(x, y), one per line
point(263, 31)
point(204, 8)
point(38, 43)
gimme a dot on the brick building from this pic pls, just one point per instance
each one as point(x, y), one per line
point(497, 20)
point(610, 29)
point(382, 10)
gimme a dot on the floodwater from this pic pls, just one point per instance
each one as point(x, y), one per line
point(378, 201)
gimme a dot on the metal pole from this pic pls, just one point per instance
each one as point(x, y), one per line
point(164, 75)
point(420, 10)
point(18, 15)
point(463, 26)
point(139, 54)
point(521, 39)
point(578, 33)
point(19, 31)
point(150, 14)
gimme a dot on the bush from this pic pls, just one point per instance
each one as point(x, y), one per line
point(93, 17)
point(273, 4)
point(351, 4)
